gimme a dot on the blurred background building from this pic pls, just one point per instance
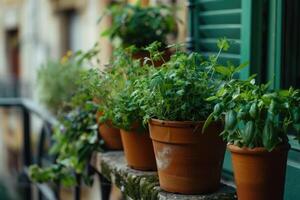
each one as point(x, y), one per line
point(33, 31)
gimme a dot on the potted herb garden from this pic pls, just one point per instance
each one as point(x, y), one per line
point(174, 102)
point(256, 126)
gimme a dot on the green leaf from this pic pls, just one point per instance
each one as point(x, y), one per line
point(230, 120)
point(207, 122)
point(212, 98)
point(253, 110)
point(222, 70)
point(241, 67)
point(223, 44)
point(269, 137)
point(248, 132)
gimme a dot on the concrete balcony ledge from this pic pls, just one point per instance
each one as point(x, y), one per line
point(144, 185)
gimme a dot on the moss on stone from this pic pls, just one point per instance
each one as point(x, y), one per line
point(139, 185)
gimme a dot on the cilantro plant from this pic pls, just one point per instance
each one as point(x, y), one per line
point(253, 115)
point(140, 26)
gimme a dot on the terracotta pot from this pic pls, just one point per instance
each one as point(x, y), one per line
point(188, 161)
point(110, 135)
point(259, 174)
point(142, 54)
point(138, 150)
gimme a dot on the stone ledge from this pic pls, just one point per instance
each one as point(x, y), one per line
point(144, 185)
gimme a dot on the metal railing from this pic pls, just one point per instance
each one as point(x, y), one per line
point(29, 108)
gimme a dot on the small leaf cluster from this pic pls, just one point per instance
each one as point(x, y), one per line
point(75, 139)
point(54, 93)
point(57, 94)
point(254, 116)
point(140, 26)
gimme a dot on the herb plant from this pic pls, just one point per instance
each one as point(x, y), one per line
point(53, 93)
point(253, 115)
point(76, 137)
point(178, 90)
point(127, 111)
point(74, 142)
point(56, 93)
point(140, 26)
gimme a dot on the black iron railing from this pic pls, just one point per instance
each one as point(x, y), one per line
point(45, 191)
point(29, 108)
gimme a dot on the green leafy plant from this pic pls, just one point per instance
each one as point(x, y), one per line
point(53, 93)
point(140, 26)
point(113, 82)
point(178, 90)
point(253, 115)
point(74, 142)
point(56, 93)
point(76, 136)
point(127, 111)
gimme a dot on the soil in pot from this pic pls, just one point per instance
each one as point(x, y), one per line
point(259, 174)
point(110, 135)
point(138, 150)
point(188, 161)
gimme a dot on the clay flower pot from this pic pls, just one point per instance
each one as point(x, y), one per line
point(188, 161)
point(259, 174)
point(110, 135)
point(138, 150)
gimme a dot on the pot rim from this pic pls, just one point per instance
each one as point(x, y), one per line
point(174, 123)
point(257, 150)
point(171, 123)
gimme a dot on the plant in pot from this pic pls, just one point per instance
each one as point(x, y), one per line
point(128, 116)
point(174, 101)
point(112, 82)
point(133, 24)
point(75, 138)
point(256, 124)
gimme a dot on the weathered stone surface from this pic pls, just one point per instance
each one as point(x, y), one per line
point(138, 185)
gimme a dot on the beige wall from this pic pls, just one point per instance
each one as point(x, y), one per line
point(39, 26)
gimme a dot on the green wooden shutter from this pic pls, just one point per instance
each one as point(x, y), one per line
point(256, 28)
point(213, 19)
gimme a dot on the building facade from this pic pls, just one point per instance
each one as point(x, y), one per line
point(34, 31)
